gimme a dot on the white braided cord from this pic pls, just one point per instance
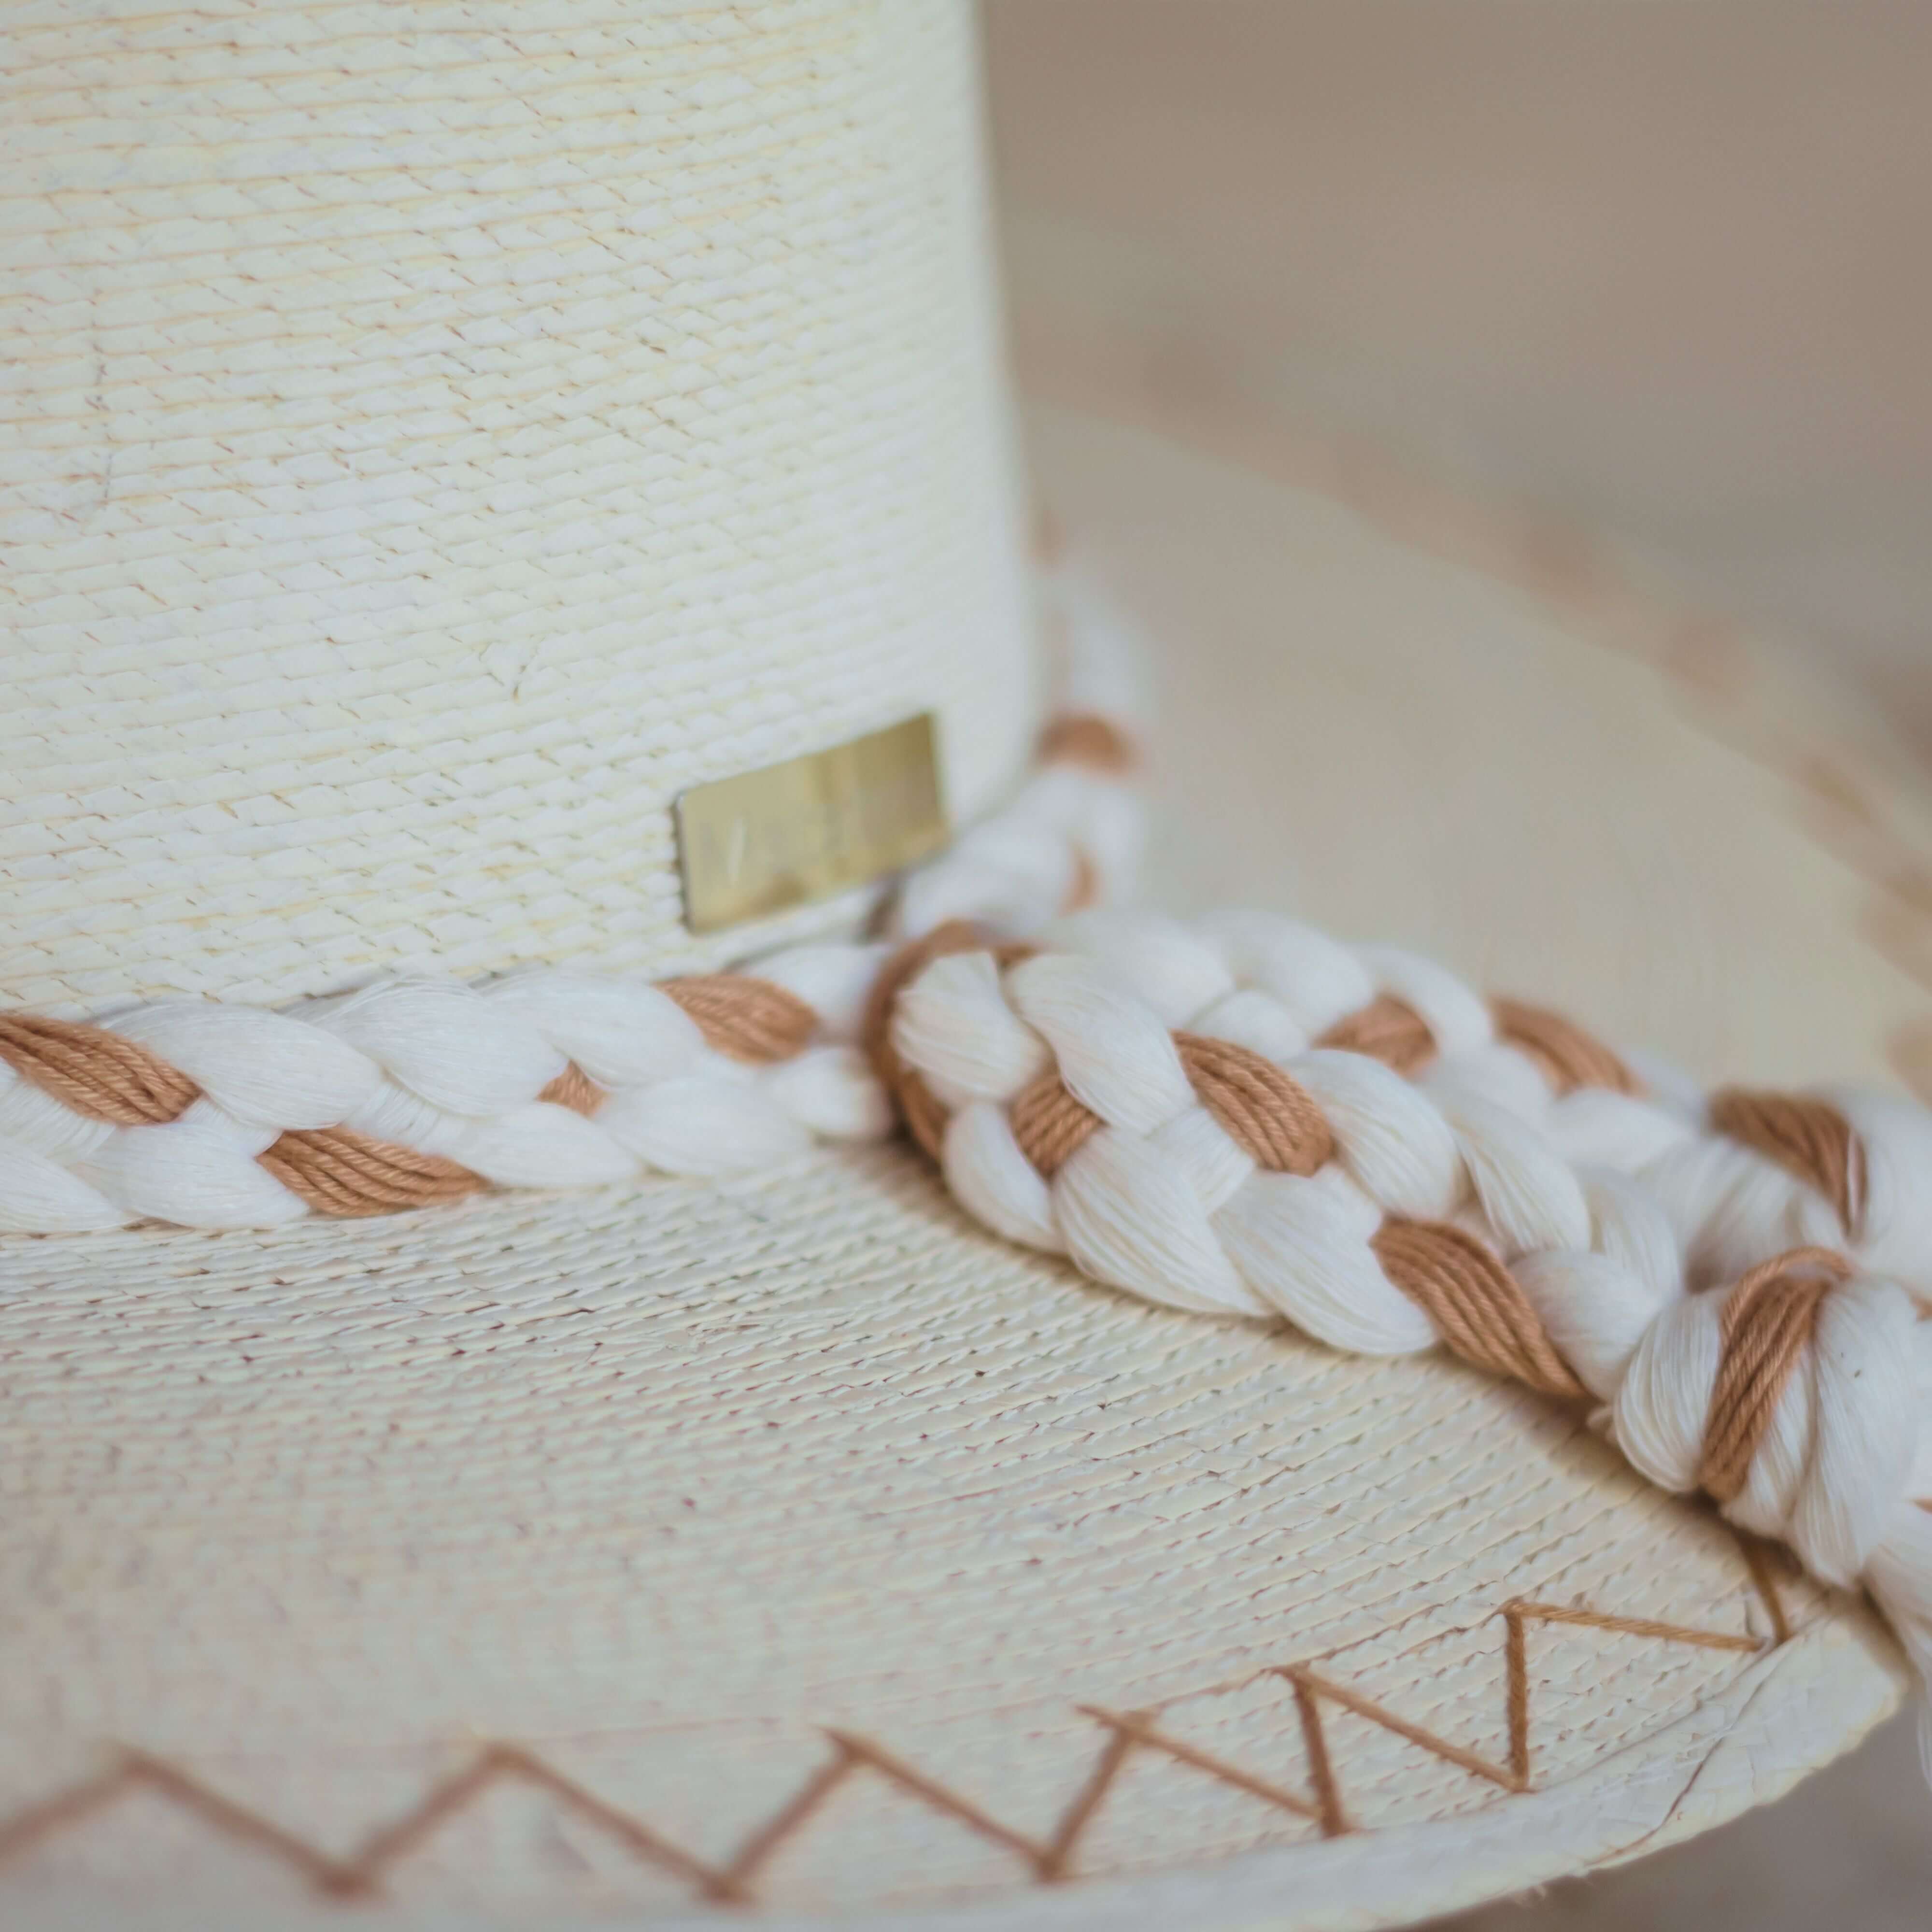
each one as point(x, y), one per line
point(1159, 1200)
point(1610, 1210)
point(1162, 1202)
point(1276, 985)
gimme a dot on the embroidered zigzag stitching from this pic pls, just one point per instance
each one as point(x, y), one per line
point(1048, 1860)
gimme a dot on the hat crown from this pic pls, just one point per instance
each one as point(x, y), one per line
point(445, 439)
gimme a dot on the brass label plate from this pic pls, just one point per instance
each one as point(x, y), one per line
point(757, 844)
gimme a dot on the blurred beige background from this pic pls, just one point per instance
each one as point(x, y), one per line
point(1659, 271)
point(1664, 266)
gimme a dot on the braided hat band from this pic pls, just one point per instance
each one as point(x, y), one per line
point(421, 1088)
point(1242, 1116)
point(455, 445)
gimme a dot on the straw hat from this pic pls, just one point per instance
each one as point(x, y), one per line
point(448, 451)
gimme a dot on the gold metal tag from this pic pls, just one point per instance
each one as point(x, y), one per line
point(757, 844)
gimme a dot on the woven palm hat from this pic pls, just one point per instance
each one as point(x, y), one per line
point(492, 1432)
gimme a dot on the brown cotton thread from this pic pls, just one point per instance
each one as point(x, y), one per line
point(340, 1172)
point(1387, 1029)
point(1757, 1555)
point(1568, 1057)
point(1049, 1125)
point(1582, 1618)
point(1476, 1306)
point(1473, 1761)
point(97, 1073)
point(743, 1017)
point(1137, 1728)
point(362, 1874)
point(1085, 889)
point(391, 1843)
point(233, 1820)
point(575, 1088)
point(1806, 1137)
point(913, 1100)
point(1267, 1113)
point(1085, 739)
point(48, 1817)
point(1768, 1317)
point(1056, 1860)
point(1516, 1690)
point(504, 1763)
point(735, 1881)
point(909, 1777)
point(924, 1117)
point(1518, 1613)
point(1321, 1765)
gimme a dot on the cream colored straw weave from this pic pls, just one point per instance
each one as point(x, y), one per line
point(436, 437)
point(442, 433)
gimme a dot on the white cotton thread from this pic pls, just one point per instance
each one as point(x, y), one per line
point(1173, 1191)
point(1284, 984)
point(1158, 1200)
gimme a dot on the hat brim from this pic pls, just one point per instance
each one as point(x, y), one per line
point(789, 1540)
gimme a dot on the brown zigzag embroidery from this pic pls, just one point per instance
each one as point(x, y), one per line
point(1517, 1614)
point(359, 1874)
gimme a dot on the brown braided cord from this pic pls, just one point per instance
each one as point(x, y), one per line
point(1808, 1137)
point(1263, 1109)
point(744, 1017)
point(1769, 1316)
point(1267, 1113)
point(1477, 1307)
point(340, 1172)
point(1085, 739)
point(575, 1088)
point(1049, 1125)
point(924, 1117)
point(1568, 1057)
point(1387, 1029)
point(97, 1073)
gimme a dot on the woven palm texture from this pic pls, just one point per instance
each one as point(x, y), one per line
point(656, 1553)
point(786, 1541)
point(434, 446)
